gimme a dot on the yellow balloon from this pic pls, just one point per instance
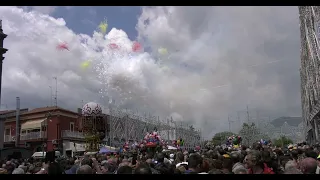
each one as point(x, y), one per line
point(103, 26)
point(85, 64)
point(163, 51)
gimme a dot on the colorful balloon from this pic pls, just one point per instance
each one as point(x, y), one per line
point(136, 47)
point(103, 26)
point(62, 46)
point(113, 46)
point(181, 142)
point(85, 64)
point(163, 51)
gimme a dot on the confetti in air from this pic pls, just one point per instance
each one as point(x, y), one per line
point(103, 26)
point(62, 46)
point(163, 51)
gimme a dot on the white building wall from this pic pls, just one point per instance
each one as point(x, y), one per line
point(73, 146)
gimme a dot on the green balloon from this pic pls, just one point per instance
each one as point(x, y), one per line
point(235, 141)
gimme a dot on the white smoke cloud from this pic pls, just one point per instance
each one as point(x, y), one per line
point(207, 73)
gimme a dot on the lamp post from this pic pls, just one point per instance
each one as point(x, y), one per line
point(2, 52)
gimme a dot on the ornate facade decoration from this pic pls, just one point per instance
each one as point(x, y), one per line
point(309, 70)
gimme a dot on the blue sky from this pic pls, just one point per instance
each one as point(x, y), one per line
point(86, 19)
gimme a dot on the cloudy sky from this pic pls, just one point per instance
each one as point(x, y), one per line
point(218, 60)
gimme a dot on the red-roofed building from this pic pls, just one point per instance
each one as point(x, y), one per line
point(46, 128)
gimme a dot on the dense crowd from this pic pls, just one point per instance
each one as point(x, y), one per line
point(258, 159)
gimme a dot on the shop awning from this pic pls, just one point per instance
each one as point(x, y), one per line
point(34, 124)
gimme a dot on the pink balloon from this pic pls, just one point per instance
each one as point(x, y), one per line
point(63, 46)
point(136, 46)
point(113, 46)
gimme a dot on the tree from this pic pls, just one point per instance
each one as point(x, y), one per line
point(250, 134)
point(282, 141)
point(221, 137)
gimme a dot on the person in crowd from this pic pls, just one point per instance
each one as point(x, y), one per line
point(255, 164)
point(194, 164)
point(143, 168)
point(308, 166)
point(255, 159)
point(125, 170)
point(85, 169)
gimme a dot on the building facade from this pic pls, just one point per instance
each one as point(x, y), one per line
point(44, 129)
point(54, 128)
point(310, 70)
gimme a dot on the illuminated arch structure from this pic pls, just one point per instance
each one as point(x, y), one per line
point(128, 126)
point(93, 126)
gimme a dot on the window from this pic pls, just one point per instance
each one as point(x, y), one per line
point(34, 130)
point(72, 126)
point(7, 131)
point(23, 132)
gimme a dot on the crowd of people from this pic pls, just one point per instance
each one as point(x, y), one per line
point(256, 159)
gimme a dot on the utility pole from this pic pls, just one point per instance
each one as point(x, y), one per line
point(56, 95)
point(238, 119)
point(229, 123)
point(258, 118)
point(248, 116)
point(17, 141)
point(169, 129)
point(50, 95)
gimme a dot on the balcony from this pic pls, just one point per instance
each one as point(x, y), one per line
point(72, 134)
point(33, 136)
point(8, 138)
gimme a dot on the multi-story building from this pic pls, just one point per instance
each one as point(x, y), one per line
point(44, 129)
point(310, 70)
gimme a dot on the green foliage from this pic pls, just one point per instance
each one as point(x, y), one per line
point(221, 137)
point(250, 134)
point(283, 141)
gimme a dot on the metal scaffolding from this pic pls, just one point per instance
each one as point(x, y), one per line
point(131, 126)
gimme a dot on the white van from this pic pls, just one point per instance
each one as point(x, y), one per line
point(42, 155)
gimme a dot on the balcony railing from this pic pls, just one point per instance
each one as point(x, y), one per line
point(33, 135)
point(72, 134)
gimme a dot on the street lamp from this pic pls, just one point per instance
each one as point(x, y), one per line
point(2, 52)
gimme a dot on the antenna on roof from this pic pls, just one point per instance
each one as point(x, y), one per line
point(56, 94)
